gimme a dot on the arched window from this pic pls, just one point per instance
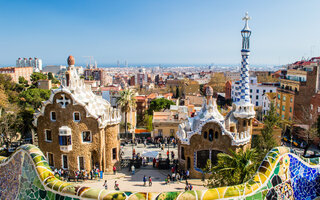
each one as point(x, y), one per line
point(249, 122)
point(210, 135)
point(205, 135)
point(216, 135)
point(244, 123)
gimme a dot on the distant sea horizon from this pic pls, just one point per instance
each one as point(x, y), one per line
point(168, 65)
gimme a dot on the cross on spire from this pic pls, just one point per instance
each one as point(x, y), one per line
point(246, 18)
point(63, 101)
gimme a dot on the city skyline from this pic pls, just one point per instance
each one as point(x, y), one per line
point(144, 32)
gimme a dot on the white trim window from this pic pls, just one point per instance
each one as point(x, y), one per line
point(48, 135)
point(81, 162)
point(86, 136)
point(76, 117)
point(50, 159)
point(64, 159)
point(53, 116)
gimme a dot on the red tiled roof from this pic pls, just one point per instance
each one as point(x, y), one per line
point(152, 96)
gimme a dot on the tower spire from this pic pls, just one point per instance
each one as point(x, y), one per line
point(243, 107)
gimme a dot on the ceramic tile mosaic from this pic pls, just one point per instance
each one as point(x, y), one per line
point(282, 175)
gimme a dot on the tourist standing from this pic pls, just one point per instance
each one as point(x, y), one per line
point(101, 174)
point(178, 177)
point(114, 170)
point(154, 162)
point(132, 169)
point(105, 185)
point(91, 174)
point(150, 181)
point(144, 180)
point(116, 185)
point(187, 174)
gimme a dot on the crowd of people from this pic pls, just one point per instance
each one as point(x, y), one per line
point(177, 175)
point(63, 174)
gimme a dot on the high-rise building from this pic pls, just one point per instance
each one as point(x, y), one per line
point(36, 63)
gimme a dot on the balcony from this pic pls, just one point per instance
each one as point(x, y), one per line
point(66, 148)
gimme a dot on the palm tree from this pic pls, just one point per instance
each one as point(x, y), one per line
point(233, 169)
point(126, 102)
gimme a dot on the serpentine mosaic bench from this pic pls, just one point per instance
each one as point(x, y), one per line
point(282, 175)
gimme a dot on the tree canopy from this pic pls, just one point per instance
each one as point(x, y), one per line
point(34, 96)
point(159, 104)
point(232, 169)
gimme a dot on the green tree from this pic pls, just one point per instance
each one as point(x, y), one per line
point(148, 122)
point(265, 142)
point(9, 124)
point(36, 76)
point(126, 102)
point(232, 169)
point(10, 88)
point(159, 104)
point(50, 76)
point(34, 97)
point(53, 79)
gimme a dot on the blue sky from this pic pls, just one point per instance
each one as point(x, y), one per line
point(158, 31)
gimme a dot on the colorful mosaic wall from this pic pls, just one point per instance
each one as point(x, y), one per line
point(282, 175)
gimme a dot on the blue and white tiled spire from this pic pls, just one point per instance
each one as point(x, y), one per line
point(244, 71)
point(243, 107)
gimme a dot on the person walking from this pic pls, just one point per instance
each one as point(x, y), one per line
point(150, 181)
point(187, 174)
point(91, 174)
point(144, 180)
point(114, 170)
point(132, 169)
point(116, 185)
point(187, 186)
point(154, 162)
point(190, 187)
point(105, 185)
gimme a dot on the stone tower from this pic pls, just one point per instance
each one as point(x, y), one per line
point(243, 109)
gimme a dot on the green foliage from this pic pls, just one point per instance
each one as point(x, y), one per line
point(90, 78)
point(265, 142)
point(36, 76)
point(148, 122)
point(232, 169)
point(22, 80)
point(34, 97)
point(53, 79)
point(159, 104)
point(126, 101)
point(10, 88)
point(50, 76)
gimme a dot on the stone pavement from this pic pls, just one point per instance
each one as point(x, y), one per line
point(128, 182)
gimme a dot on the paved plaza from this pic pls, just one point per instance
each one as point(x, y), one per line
point(129, 182)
